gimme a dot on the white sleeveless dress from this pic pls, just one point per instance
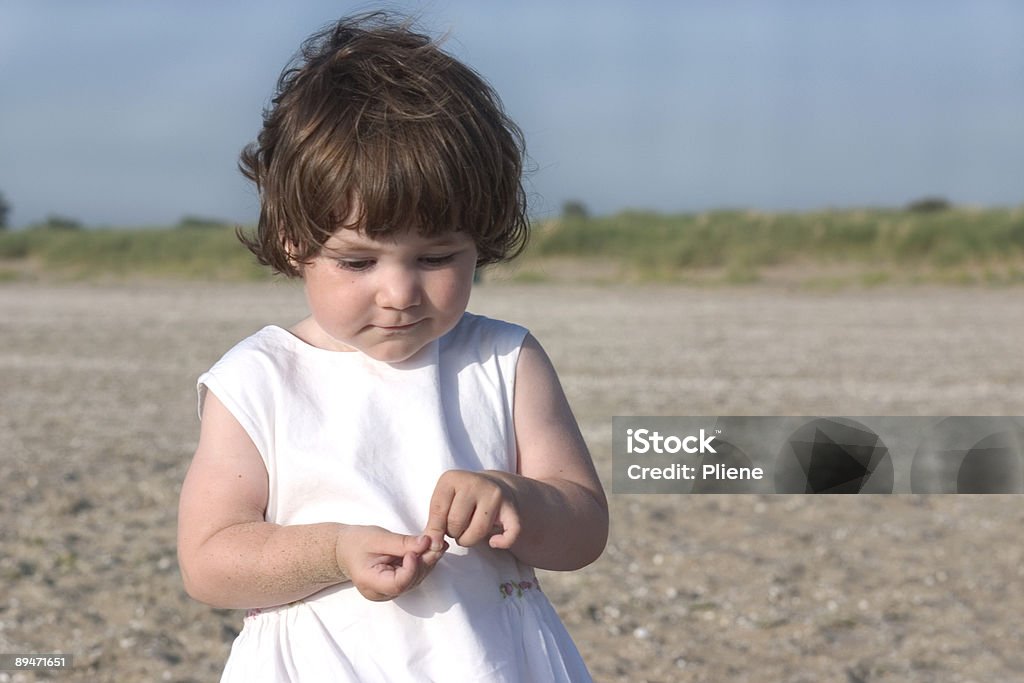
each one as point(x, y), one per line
point(346, 438)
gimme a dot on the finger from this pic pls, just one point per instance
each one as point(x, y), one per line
point(412, 568)
point(489, 501)
point(482, 525)
point(510, 529)
point(415, 544)
point(428, 561)
point(432, 557)
point(405, 575)
point(440, 507)
point(461, 517)
point(378, 585)
point(396, 546)
point(389, 579)
point(371, 594)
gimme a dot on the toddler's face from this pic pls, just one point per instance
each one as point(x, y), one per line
point(388, 299)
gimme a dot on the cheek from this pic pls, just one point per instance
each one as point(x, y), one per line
point(327, 292)
point(457, 288)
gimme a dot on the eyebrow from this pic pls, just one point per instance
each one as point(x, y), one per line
point(360, 243)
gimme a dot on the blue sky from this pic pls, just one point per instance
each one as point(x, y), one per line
point(133, 113)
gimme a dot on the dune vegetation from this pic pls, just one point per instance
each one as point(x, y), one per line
point(922, 243)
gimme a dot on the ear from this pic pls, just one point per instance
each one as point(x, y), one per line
point(290, 250)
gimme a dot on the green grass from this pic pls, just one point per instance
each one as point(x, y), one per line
point(955, 245)
point(174, 253)
point(867, 247)
point(751, 239)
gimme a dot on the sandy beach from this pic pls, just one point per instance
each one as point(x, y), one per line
point(98, 423)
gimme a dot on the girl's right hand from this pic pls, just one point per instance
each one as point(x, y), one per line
point(383, 564)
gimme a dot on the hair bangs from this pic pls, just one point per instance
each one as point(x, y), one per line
point(376, 128)
point(405, 180)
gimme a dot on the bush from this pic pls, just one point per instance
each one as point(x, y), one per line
point(929, 205)
point(575, 210)
point(201, 222)
point(5, 209)
point(55, 222)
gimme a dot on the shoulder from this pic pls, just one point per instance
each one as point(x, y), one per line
point(483, 354)
point(250, 366)
point(266, 349)
point(478, 332)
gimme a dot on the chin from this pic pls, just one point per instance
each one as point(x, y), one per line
point(398, 355)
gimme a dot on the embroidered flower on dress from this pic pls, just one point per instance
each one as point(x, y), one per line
point(510, 587)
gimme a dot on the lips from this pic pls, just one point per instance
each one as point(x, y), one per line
point(406, 326)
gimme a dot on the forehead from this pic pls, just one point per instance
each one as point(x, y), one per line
point(351, 238)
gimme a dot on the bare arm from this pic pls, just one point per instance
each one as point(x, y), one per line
point(552, 514)
point(230, 557)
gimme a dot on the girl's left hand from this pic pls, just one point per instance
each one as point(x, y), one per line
point(472, 507)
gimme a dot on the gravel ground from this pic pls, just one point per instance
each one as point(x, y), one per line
point(97, 422)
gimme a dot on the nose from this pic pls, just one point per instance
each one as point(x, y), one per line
point(399, 288)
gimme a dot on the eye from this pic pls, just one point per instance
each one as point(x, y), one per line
point(435, 261)
point(355, 264)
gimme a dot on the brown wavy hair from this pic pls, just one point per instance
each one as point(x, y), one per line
point(373, 117)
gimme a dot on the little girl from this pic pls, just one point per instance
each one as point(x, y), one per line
point(336, 457)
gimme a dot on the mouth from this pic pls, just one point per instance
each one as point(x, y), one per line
point(399, 328)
